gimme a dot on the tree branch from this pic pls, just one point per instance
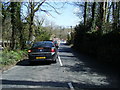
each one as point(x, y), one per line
point(39, 6)
point(47, 12)
point(53, 8)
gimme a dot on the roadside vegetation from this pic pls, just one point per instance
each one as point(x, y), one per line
point(22, 26)
point(11, 57)
point(99, 34)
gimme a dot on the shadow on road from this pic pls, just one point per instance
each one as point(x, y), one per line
point(65, 49)
point(67, 56)
point(92, 65)
point(87, 66)
point(86, 63)
point(51, 84)
point(25, 62)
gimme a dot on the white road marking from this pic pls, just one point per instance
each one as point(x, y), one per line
point(60, 61)
point(71, 86)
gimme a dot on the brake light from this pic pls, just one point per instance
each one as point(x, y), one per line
point(52, 50)
point(29, 51)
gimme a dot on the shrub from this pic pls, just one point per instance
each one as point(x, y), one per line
point(105, 47)
point(10, 57)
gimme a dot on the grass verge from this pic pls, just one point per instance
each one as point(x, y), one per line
point(8, 58)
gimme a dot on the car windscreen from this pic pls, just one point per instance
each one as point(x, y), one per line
point(42, 45)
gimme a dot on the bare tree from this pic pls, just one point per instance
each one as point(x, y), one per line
point(33, 7)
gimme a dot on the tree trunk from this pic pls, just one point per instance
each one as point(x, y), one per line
point(101, 18)
point(13, 21)
point(105, 12)
point(85, 13)
point(114, 10)
point(20, 26)
point(118, 15)
point(31, 21)
point(93, 11)
point(93, 16)
point(105, 8)
point(108, 14)
point(4, 14)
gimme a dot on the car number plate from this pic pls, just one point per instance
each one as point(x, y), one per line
point(40, 57)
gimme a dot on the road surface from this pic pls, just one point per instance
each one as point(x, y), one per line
point(72, 71)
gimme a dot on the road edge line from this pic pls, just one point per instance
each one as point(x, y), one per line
point(71, 86)
point(60, 61)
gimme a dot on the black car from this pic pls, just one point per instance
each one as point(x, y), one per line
point(42, 51)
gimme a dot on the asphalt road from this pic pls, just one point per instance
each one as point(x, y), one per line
point(72, 71)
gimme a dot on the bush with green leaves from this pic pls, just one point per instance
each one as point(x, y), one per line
point(105, 47)
point(10, 57)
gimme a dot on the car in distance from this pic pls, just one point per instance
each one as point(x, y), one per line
point(42, 51)
point(55, 43)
